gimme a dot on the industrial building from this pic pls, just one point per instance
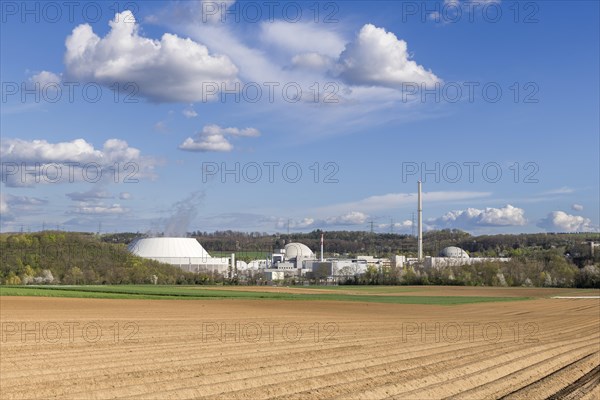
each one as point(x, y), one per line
point(186, 253)
point(449, 257)
point(298, 260)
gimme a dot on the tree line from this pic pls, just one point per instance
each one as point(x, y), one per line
point(53, 257)
point(546, 269)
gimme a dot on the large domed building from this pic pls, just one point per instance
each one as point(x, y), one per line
point(185, 253)
point(297, 250)
point(454, 252)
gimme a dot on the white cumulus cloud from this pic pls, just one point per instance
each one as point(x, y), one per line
point(215, 138)
point(379, 58)
point(351, 218)
point(576, 207)
point(560, 221)
point(189, 112)
point(473, 217)
point(169, 69)
point(45, 78)
point(303, 223)
point(3, 204)
point(29, 162)
point(207, 143)
point(348, 219)
point(404, 226)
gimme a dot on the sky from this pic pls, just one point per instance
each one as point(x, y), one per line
point(281, 116)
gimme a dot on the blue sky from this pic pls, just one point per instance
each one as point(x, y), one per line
point(498, 100)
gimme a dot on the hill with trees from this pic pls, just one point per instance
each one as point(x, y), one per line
point(52, 257)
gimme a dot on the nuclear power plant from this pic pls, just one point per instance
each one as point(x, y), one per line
point(295, 259)
point(448, 257)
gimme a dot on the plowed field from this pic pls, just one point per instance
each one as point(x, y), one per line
point(255, 349)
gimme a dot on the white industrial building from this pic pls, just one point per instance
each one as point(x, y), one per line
point(343, 268)
point(297, 259)
point(288, 261)
point(186, 253)
point(255, 265)
point(449, 257)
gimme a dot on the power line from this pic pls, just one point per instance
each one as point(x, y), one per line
point(371, 223)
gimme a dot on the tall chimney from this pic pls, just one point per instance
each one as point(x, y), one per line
point(321, 247)
point(420, 227)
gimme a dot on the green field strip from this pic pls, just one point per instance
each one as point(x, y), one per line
point(193, 293)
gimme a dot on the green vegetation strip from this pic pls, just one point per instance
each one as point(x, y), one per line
point(195, 293)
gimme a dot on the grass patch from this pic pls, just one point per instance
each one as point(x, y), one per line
point(254, 255)
point(197, 293)
point(365, 288)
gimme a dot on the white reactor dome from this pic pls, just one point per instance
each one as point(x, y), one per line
point(295, 250)
point(168, 247)
point(454, 252)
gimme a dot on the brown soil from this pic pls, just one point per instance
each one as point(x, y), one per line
point(236, 349)
point(418, 290)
